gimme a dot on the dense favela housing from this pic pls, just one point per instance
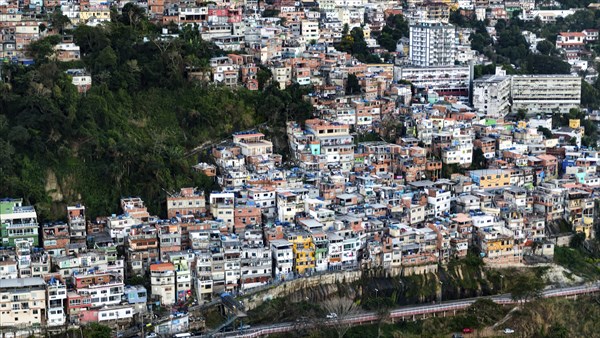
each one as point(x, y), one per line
point(411, 160)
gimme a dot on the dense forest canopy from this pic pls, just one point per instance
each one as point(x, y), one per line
point(131, 133)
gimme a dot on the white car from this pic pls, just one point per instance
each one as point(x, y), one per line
point(332, 315)
point(151, 335)
point(508, 331)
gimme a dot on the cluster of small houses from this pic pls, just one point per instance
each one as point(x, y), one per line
point(343, 206)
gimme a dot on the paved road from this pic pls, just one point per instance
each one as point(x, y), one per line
point(408, 312)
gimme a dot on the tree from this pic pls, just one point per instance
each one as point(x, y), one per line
point(90, 39)
point(521, 114)
point(352, 85)
point(355, 44)
point(135, 130)
point(479, 160)
point(526, 286)
point(263, 76)
point(449, 169)
point(345, 29)
point(343, 308)
point(132, 15)
point(486, 312)
point(511, 43)
point(270, 13)
point(545, 47)
point(58, 21)
point(43, 49)
point(95, 330)
point(546, 132)
point(396, 27)
point(545, 64)
point(590, 95)
point(557, 330)
point(577, 240)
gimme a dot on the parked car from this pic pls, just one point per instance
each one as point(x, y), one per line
point(332, 315)
point(152, 335)
point(245, 327)
point(467, 330)
point(508, 330)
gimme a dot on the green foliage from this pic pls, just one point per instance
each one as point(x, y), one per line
point(58, 20)
point(396, 27)
point(95, 330)
point(557, 317)
point(263, 76)
point(546, 64)
point(131, 134)
point(577, 262)
point(482, 313)
point(367, 137)
point(545, 47)
point(479, 160)
point(521, 114)
point(352, 85)
point(355, 44)
point(577, 240)
point(480, 39)
point(590, 95)
point(591, 136)
point(557, 331)
point(486, 312)
point(270, 13)
point(526, 286)
point(481, 70)
point(511, 45)
point(546, 132)
point(449, 170)
point(41, 50)
point(278, 310)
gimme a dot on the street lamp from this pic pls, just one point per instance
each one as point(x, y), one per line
point(441, 291)
point(376, 291)
point(501, 283)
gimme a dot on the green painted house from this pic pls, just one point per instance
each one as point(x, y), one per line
point(17, 222)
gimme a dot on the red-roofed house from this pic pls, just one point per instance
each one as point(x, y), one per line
point(570, 40)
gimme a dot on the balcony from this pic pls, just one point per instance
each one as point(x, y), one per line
point(22, 225)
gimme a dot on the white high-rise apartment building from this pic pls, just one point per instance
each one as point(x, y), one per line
point(432, 43)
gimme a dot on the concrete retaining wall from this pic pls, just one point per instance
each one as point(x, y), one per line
point(290, 287)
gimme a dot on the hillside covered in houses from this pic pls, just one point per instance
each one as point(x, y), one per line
point(162, 159)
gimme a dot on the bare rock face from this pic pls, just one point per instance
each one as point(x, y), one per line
point(52, 187)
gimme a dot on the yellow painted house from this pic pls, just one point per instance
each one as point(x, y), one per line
point(303, 249)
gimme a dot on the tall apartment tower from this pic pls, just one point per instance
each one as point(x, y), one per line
point(432, 43)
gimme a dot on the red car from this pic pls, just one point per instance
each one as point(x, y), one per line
point(467, 330)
